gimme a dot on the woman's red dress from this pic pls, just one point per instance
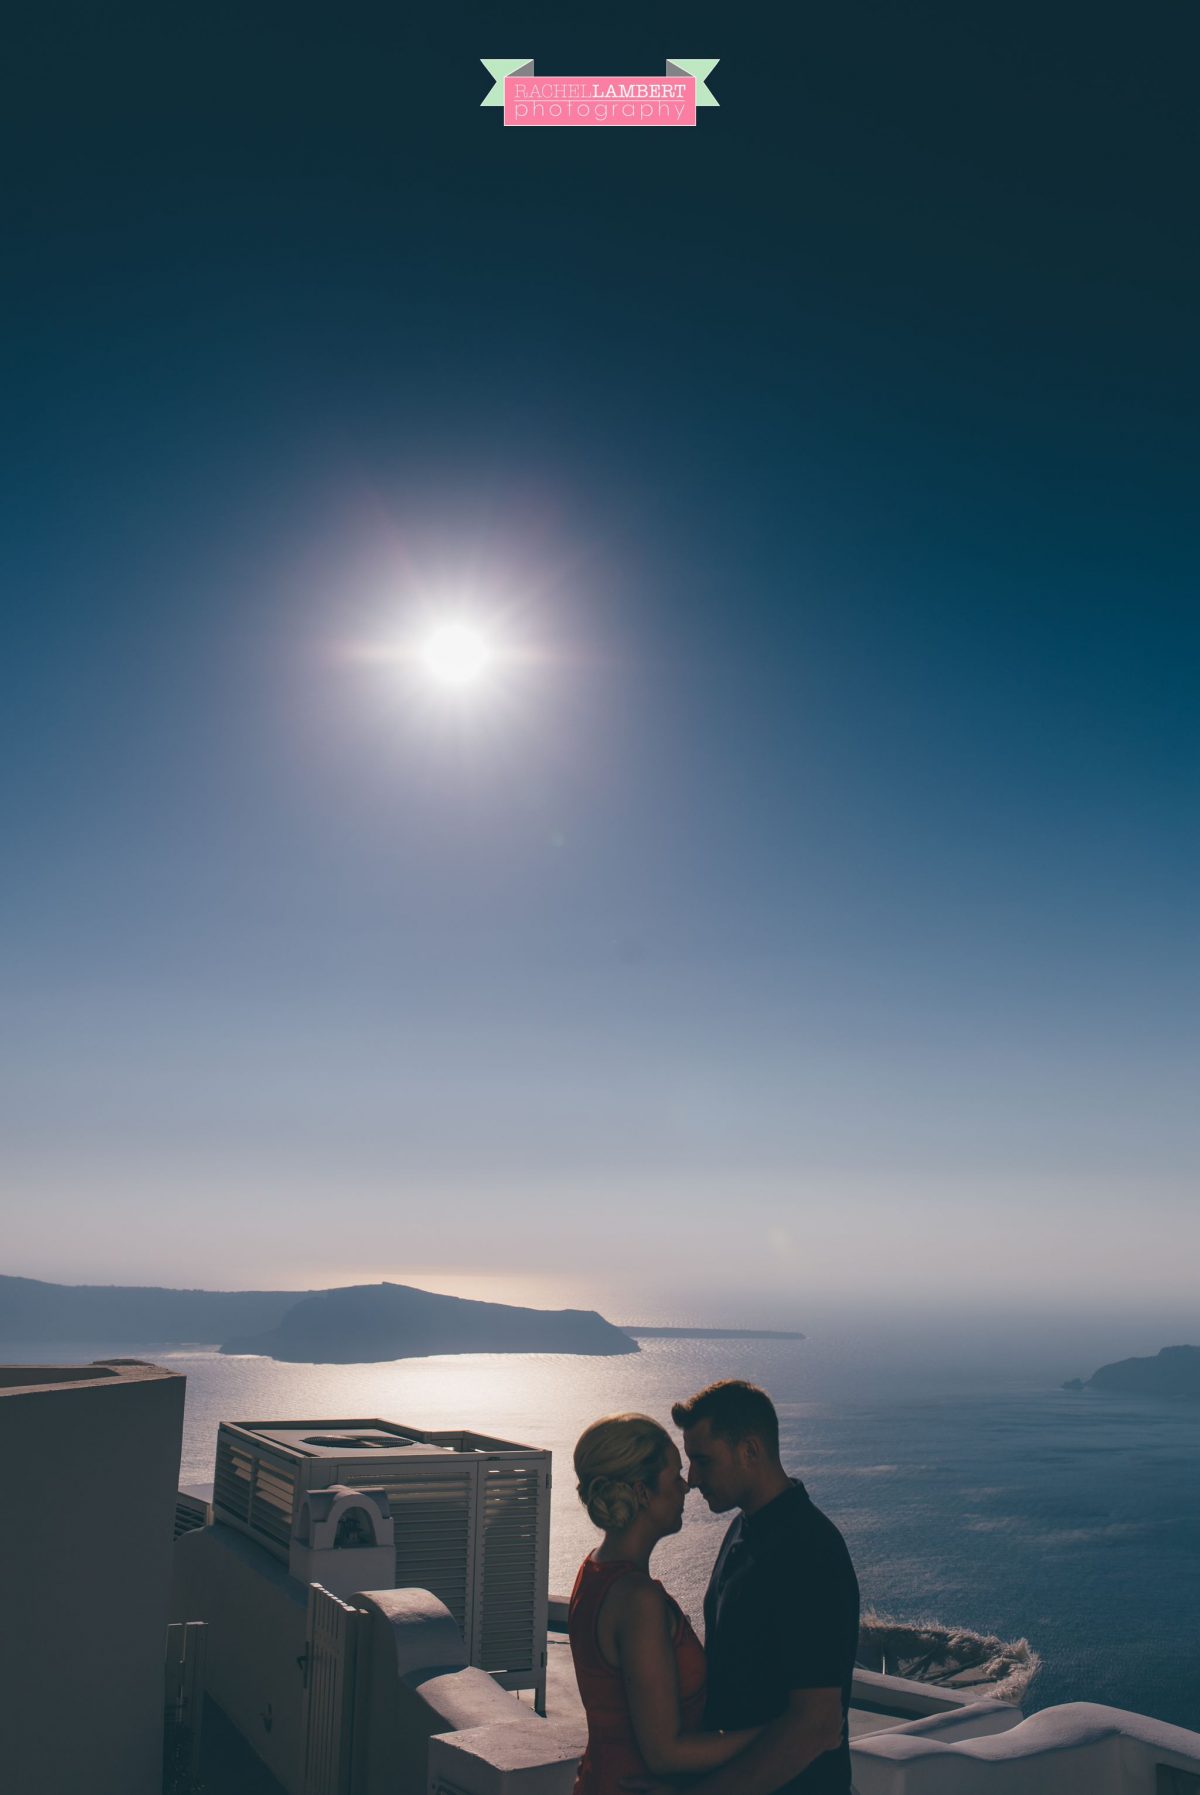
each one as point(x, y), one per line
point(612, 1750)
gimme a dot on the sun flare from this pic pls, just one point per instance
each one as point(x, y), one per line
point(456, 655)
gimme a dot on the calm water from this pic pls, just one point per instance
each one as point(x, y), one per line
point(1015, 1508)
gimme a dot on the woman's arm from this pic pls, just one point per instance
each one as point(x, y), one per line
point(646, 1654)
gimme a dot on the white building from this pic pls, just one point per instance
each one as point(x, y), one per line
point(90, 1466)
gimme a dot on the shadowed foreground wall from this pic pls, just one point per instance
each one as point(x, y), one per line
point(90, 1460)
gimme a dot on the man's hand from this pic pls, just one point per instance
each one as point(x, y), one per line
point(810, 1725)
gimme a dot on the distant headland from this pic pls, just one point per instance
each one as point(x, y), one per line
point(365, 1322)
point(1175, 1371)
point(352, 1324)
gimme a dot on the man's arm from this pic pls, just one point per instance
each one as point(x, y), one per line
point(810, 1724)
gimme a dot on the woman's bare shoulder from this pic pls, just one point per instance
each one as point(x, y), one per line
point(636, 1600)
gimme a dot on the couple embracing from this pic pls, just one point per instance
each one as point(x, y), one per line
point(762, 1706)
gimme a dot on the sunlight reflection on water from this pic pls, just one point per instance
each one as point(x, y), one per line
point(536, 1399)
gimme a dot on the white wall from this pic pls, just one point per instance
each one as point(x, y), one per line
point(1077, 1749)
point(257, 1618)
point(88, 1472)
point(414, 1678)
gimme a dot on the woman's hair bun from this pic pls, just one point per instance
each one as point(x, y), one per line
point(612, 1457)
point(611, 1503)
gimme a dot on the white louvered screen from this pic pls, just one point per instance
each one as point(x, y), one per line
point(233, 1477)
point(272, 1501)
point(510, 1512)
point(330, 1673)
point(434, 1521)
point(190, 1512)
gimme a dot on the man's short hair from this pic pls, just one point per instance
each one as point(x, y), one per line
point(733, 1410)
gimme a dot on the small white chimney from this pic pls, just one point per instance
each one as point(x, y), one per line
point(344, 1539)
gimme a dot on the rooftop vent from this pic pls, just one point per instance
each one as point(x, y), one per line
point(355, 1442)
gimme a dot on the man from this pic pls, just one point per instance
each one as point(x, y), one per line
point(781, 1612)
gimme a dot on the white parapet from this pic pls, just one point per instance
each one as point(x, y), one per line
point(973, 1720)
point(532, 1758)
point(1077, 1749)
point(907, 1697)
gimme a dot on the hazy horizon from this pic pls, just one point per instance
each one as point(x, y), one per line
point(1001, 1339)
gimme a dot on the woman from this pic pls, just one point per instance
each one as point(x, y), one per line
point(639, 1665)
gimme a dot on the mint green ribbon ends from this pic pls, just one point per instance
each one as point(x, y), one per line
point(499, 68)
point(700, 68)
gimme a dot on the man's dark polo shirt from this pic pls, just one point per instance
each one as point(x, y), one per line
point(781, 1613)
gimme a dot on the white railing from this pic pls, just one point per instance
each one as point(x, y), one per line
point(906, 1698)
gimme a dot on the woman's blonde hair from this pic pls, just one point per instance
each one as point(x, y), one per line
point(612, 1456)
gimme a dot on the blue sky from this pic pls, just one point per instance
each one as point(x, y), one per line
point(811, 914)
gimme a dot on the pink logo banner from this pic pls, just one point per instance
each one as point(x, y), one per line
point(604, 100)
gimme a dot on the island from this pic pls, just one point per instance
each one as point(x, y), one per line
point(354, 1324)
point(1175, 1371)
point(363, 1322)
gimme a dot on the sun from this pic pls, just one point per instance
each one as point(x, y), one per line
point(456, 655)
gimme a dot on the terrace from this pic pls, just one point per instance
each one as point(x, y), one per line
point(411, 1711)
point(305, 1656)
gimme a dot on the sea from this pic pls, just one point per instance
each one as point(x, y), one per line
point(988, 1500)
